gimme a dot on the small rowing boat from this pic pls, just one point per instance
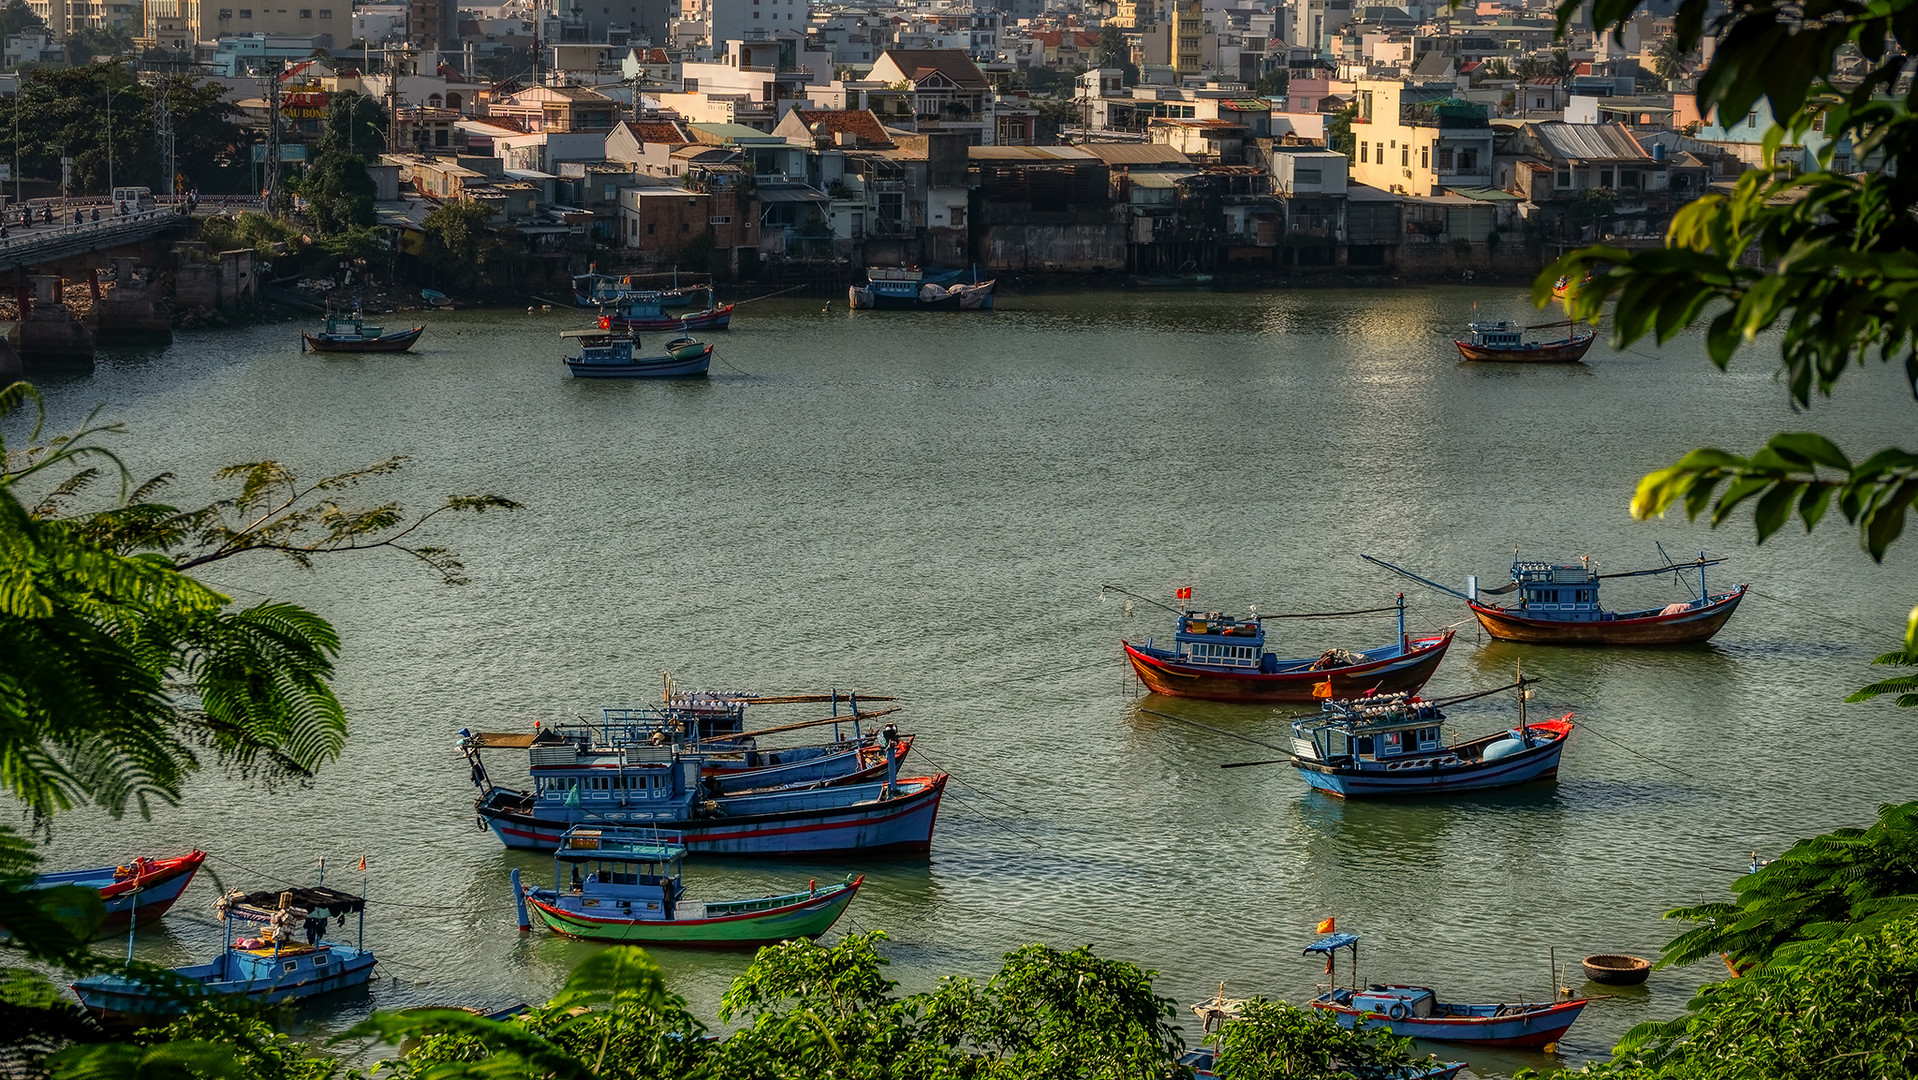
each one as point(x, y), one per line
point(140, 891)
point(628, 885)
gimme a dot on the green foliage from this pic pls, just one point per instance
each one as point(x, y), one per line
point(461, 246)
point(1846, 881)
point(1594, 205)
point(233, 232)
point(355, 125)
point(1848, 1011)
point(1062, 1015)
point(61, 111)
point(339, 192)
point(1338, 130)
point(1114, 52)
point(1270, 1040)
point(1273, 83)
point(16, 17)
point(101, 42)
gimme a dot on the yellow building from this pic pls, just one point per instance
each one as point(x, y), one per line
point(1419, 139)
point(1188, 37)
point(178, 24)
point(1133, 14)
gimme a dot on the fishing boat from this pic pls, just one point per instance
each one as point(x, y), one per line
point(647, 311)
point(1505, 342)
point(663, 787)
point(1190, 280)
point(1565, 288)
point(611, 354)
point(627, 885)
point(352, 334)
point(139, 891)
point(1221, 1010)
point(1416, 1011)
point(1558, 605)
point(913, 287)
point(1394, 744)
point(590, 290)
point(288, 959)
point(1221, 657)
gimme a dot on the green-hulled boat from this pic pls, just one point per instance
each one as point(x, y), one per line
point(624, 884)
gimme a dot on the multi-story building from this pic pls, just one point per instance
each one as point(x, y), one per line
point(1419, 138)
point(433, 24)
point(179, 24)
point(733, 20)
point(617, 22)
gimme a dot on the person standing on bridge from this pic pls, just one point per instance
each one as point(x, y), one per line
point(96, 213)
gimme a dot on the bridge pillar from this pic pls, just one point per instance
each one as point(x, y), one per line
point(131, 314)
point(48, 337)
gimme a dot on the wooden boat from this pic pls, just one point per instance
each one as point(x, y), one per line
point(139, 892)
point(436, 299)
point(1505, 342)
point(276, 966)
point(594, 289)
point(661, 787)
point(1565, 288)
point(610, 354)
point(1169, 281)
point(352, 334)
point(1220, 657)
point(1395, 745)
point(1416, 1011)
point(628, 885)
point(912, 287)
point(1558, 605)
point(647, 311)
point(1221, 1010)
point(1616, 969)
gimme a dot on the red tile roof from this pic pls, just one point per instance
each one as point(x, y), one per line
point(859, 122)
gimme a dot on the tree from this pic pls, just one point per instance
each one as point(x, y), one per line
point(1116, 52)
point(1270, 1040)
point(89, 42)
point(1338, 130)
point(1272, 83)
point(16, 17)
point(1561, 66)
point(461, 247)
point(59, 112)
point(1668, 60)
point(1827, 254)
point(355, 125)
point(339, 192)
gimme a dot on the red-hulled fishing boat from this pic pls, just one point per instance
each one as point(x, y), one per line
point(1505, 342)
point(1221, 657)
point(1558, 605)
point(141, 890)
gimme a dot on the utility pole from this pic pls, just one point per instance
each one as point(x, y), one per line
point(271, 189)
point(163, 130)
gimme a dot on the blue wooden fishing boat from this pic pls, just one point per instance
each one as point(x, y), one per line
point(647, 311)
point(352, 334)
point(139, 891)
point(1416, 1011)
point(287, 959)
point(1221, 657)
point(1558, 605)
point(611, 354)
point(1220, 1010)
point(662, 787)
point(591, 290)
point(913, 287)
point(1394, 744)
point(627, 885)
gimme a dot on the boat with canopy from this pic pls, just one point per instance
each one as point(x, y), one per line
point(1394, 745)
point(1416, 1011)
point(1505, 342)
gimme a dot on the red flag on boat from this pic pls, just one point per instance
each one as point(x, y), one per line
point(1322, 689)
point(605, 322)
point(362, 864)
point(1184, 594)
point(1326, 926)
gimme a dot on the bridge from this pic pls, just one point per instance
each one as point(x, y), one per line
point(38, 245)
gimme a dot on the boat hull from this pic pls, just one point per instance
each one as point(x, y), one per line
point(1532, 1028)
point(805, 917)
point(785, 824)
point(388, 343)
point(1683, 628)
point(854, 766)
point(1202, 1060)
point(711, 319)
point(1570, 351)
point(118, 996)
point(1406, 672)
point(142, 898)
point(1536, 763)
point(662, 367)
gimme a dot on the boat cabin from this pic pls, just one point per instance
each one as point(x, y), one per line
point(636, 783)
point(1220, 640)
point(348, 328)
point(1497, 335)
point(628, 873)
point(1564, 592)
point(1386, 729)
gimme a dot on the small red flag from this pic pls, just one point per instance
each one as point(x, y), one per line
point(1185, 593)
point(362, 864)
point(605, 322)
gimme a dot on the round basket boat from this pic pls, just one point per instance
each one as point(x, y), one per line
point(1617, 969)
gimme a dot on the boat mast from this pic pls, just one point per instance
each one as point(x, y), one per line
point(133, 914)
point(1402, 645)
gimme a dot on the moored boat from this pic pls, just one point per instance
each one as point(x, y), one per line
point(613, 354)
point(271, 967)
point(913, 287)
point(1416, 1011)
point(647, 311)
point(1505, 342)
point(140, 891)
point(1222, 657)
point(628, 885)
point(352, 334)
point(1558, 605)
point(1395, 745)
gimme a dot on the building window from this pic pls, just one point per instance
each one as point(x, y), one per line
point(1307, 176)
point(1363, 160)
point(720, 219)
point(1751, 119)
point(306, 13)
point(685, 227)
point(1605, 178)
point(1425, 157)
point(651, 227)
point(246, 13)
point(1564, 178)
point(1405, 156)
point(326, 13)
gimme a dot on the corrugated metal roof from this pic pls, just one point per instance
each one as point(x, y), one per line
point(1482, 194)
point(1161, 179)
point(1028, 153)
point(1589, 142)
point(1136, 154)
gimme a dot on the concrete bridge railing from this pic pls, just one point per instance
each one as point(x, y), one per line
point(24, 247)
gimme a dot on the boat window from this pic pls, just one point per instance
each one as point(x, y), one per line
point(319, 959)
point(1362, 745)
point(1392, 743)
point(291, 965)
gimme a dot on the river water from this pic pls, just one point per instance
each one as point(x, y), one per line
point(926, 505)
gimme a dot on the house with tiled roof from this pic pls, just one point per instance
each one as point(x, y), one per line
point(647, 143)
point(846, 129)
point(948, 92)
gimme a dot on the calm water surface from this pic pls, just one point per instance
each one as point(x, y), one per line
point(926, 505)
